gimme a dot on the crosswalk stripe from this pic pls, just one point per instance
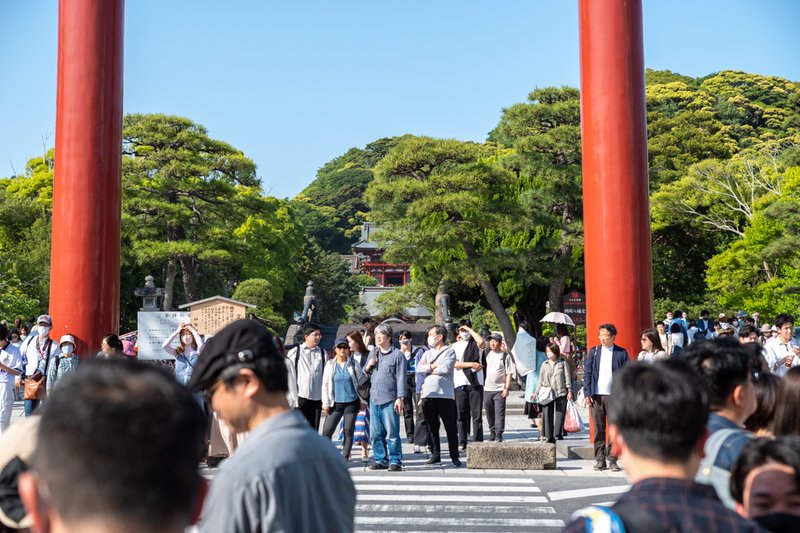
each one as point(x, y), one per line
point(582, 493)
point(433, 508)
point(441, 488)
point(461, 521)
point(444, 479)
point(478, 498)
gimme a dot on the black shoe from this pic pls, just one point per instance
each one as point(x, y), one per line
point(394, 467)
point(433, 461)
point(492, 437)
point(600, 465)
point(456, 463)
point(378, 466)
point(463, 447)
point(613, 466)
point(499, 437)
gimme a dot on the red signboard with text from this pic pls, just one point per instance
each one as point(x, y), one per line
point(575, 307)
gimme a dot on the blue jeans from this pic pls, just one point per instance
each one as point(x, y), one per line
point(28, 406)
point(384, 419)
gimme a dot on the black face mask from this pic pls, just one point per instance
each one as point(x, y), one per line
point(779, 522)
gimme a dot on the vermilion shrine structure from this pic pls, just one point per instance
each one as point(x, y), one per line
point(84, 295)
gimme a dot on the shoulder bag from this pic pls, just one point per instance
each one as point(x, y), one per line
point(365, 380)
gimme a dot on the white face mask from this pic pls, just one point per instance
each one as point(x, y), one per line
point(432, 340)
point(67, 349)
point(465, 336)
point(43, 331)
point(188, 340)
point(405, 341)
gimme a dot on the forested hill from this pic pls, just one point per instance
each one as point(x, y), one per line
point(689, 120)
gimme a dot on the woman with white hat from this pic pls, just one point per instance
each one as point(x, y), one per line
point(63, 363)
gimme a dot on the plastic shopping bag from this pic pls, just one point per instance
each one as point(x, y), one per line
point(572, 420)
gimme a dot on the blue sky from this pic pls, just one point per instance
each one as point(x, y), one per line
point(295, 84)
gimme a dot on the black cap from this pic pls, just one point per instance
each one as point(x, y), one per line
point(237, 344)
point(495, 336)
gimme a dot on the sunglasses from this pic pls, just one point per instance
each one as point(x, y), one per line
point(342, 347)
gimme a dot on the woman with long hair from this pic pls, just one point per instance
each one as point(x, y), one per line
point(360, 354)
point(652, 350)
point(186, 353)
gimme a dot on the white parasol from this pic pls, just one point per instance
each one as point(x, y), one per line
point(558, 318)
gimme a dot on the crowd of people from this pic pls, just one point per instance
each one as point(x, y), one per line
point(371, 381)
point(705, 423)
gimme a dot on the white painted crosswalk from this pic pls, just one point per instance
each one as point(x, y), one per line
point(442, 499)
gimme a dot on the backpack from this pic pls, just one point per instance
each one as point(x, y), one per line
point(622, 518)
point(709, 473)
point(365, 380)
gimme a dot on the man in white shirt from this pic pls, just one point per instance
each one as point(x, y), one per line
point(782, 351)
point(37, 351)
point(601, 364)
point(10, 367)
point(468, 381)
point(308, 362)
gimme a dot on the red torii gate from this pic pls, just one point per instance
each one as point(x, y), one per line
point(84, 281)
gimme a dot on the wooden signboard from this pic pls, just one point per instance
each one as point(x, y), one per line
point(212, 314)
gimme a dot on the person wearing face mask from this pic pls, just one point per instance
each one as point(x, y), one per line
point(468, 379)
point(37, 351)
point(10, 368)
point(63, 363)
point(765, 483)
point(412, 354)
point(435, 368)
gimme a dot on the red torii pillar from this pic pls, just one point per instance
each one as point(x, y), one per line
point(616, 214)
point(85, 254)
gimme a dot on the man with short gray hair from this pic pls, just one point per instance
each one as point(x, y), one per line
point(387, 369)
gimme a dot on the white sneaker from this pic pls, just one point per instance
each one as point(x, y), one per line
point(416, 449)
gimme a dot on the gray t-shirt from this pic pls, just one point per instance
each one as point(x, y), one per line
point(283, 478)
point(498, 366)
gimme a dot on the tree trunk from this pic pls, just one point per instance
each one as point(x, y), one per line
point(490, 293)
point(169, 284)
point(558, 282)
point(493, 299)
point(767, 270)
point(189, 278)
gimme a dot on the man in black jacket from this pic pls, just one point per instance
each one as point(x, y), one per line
point(601, 364)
